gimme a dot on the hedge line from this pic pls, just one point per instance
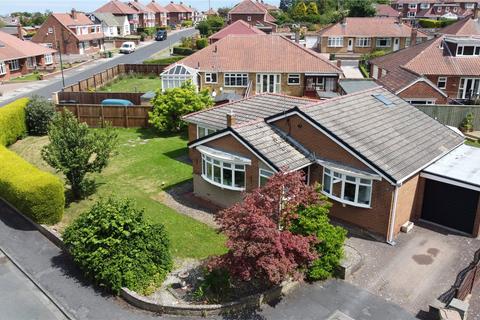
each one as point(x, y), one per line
point(32, 191)
point(12, 121)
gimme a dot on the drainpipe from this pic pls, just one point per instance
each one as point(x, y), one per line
point(391, 229)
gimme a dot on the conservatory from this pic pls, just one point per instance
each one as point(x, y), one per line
point(176, 75)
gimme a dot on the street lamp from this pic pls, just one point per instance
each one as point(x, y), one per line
point(60, 54)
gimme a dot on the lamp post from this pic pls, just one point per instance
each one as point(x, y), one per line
point(60, 55)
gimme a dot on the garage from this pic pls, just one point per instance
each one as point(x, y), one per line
point(452, 191)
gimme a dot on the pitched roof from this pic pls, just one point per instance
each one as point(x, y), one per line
point(370, 27)
point(398, 79)
point(140, 7)
point(156, 7)
point(258, 53)
point(385, 10)
point(238, 27)
point(67, 20)
point(248, 7)
point(173, 7)
point(108, 19)
point(245, 110)
point(12, 47)
point(463, 27)
point(187, 8)
point(116, 7)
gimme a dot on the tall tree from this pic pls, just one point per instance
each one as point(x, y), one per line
point(312, 8)
point(223, 12)
point(299, 10)
point(360, 8)
point(286, 5)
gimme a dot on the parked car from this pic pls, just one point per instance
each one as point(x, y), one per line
point(117, 102)
point(127, 47)
point(161, 35)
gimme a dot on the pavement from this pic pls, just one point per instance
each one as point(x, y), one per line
point(350, 69)
point(421, 266)
point(64, 283)
point(45, 88)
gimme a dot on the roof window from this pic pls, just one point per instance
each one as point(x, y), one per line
point(383, 99)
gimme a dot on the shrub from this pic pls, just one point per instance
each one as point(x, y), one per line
point(39, 113)
point(187, 23)
point(201, 43)
point(33, 192)
point(216, 286)
point(183, 51)
point(12, 121)
point(164, 61)
point(114, 245)
point(143, 36)
point(429, 23)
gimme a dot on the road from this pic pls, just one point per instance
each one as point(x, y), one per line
point(73, 76)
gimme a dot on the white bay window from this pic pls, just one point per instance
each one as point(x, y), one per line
point(355, 190)
point(335, 42)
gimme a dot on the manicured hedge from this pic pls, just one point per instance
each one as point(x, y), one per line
point(33, 192)
point(182, 51)
point(164, 61)
point(12, 121)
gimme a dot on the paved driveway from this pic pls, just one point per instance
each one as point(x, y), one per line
point(417, 270)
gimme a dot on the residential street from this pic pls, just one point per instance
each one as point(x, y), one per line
point(76, 75)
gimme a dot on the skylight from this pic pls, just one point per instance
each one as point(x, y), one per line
point(380, 97)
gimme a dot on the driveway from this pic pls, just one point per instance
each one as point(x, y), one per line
point(417, 270)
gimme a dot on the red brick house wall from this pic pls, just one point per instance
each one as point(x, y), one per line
point(253, 18)
point(453, 84)
point(423, 90)
point(69, 44)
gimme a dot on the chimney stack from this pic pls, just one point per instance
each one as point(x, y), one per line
point(19, 31)
point(475, 11)
point(413, 37)
point(231, 119)
point(297, 36)
point(74, 14)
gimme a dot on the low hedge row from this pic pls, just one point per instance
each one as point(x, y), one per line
point(36, 193)
point(12, 121)
point(183, 51)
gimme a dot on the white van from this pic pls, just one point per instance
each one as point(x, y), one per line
point(127, 47)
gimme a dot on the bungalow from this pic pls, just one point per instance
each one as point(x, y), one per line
point(71, 33)
point(161, 14)
point(250, 64)
point(19, 57)
point(435, 9)
point(145, 14)
point(379, 160)
point(112, 26)
point(445, 69)
point(365, 35)
point(254, 13)
point(120, 9)
point(238, 27)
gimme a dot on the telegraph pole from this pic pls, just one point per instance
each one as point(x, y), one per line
point(60, 54)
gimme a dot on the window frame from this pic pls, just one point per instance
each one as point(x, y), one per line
point(222, 165)
point(341, 177)
point(294, 75)
point(389, 42)
point(363, 42)
point(48, 59)
point(335, 42)
point(469, 5)
point(3, 68)
point(411, 14)
point(442, 80)
point(265, 174)
point(210, 74)
point(277, 85)
point(461, 51)
point(426, 102)
point(14, 62)
point(424, 5)
point(412, 6)
point(235, 76)
point(206, 131)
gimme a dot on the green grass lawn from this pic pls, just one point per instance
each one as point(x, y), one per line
point(144, 165)
point(27, 77)
point(133, 84)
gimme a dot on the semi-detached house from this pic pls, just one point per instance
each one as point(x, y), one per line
point(120, 9)
point(436, 9)
point(380, 161)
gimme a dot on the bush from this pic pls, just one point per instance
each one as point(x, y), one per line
point(114, 245)
point(33, 192)
point(201, 43)
point(216, 286)
point(187, 23)
point(164, 61)
point(429, 23)
point(39, 113)
point(143, 36)
point(12, 122)
point(183, 51)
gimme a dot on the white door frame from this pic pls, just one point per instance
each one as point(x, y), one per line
point(350, 44)
point(396, 44)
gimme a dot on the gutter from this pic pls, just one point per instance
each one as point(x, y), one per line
point(393, 217)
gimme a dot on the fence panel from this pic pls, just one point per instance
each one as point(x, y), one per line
point(452, 115)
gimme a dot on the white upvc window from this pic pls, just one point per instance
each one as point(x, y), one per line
point(412, 6)
point(48, 58)
point(468, 50)
point(211, 77)
point(335, 42)
point(14, 65)
point(50, 30)
point(355, 190)
point(236, 79)
point(249, 18)
point(204, 131)
point(31, 62)
point(268, 83)
point(408, 41)
point(469, 88)
point(411, 14)
point(400, 6)
point(421, 101)
point(3, 68)
point(383, 42)
point(228, 175)
point(469, 5)
point(263, 176)
point(294, 79)
point(364, 42)
point(442, 82)
point(424, 5)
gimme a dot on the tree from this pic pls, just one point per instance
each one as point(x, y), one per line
point(171, 105)
point(216, 23)
point(204, 28)
point(312, 8)
point(360, 8)
point(75, 150)
point(286, 5)
point(39, 112)
point(114, 245)
point(299, 10)
point(260, 245)
point(223, 12)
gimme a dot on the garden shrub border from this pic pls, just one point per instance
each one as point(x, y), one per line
point(12, 121)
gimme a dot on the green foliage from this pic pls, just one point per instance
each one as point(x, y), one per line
point(36, 193)
point(204, 28)
point(171, 105)
point(313, 220)
point(216, 286)
point(75, 150)
point(183, 51)
point(435, 24)
point(164, 61)
point(12, 122)
point(360, 8)
point(114, 245)
point(39, 113)
point(223, 12)
point(201, 43)
point(143, 36)
point(299, 11)
point(187, 23)
point(373, 54)
point(364, 70)
point(312, 8)
point(467, 123)
point(211, 25)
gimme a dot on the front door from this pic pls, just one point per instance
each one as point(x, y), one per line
point(396, 44)
point(350, 44)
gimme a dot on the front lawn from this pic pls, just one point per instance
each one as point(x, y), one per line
point(137, 83)
point(27, 77)
point(145, 165)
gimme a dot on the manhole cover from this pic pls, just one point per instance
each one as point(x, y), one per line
point(338, 315)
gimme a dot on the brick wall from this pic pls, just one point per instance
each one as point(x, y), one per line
point(453, 84)
point(409, 201)
point(253, 18)
point(68, 42)
point(422, 90)
point(323, 46)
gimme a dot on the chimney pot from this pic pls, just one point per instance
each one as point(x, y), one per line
point(74, 14)
point(231, 119)
point(19, 31)
point(413, 37)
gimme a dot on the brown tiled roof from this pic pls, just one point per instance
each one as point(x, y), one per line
point(398, 79)
point(370, 27)
point(67, 20)
point(187, 8)
point(173, 7)
point(156, 7)
point(464, 27)
point(13, 48)
point(248, 7)
point(267, 6)
point(258, 53)
point(140, 7)
point(238, 27)
point(116, 7)
point(384, 10)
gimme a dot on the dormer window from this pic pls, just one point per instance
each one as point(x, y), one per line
point(468, 50)
point(424, 6)
point(412, 6)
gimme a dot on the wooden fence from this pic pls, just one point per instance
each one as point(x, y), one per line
point(452, 115)
point(96, 115)
point(96, 97)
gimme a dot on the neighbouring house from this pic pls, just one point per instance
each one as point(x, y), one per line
point(70, 33)
point(12, 26)
point(435, 9)
point(161, 14)
point(254, 13)
point(445, 69)
point(112, 26)
point(210, 12)
point(379, 160)
point(252, 64)
point(238, 27)
point(19, 57)
point(385, 11)
point(177, 13)
point(146, 16)
point(120, 9)
point(364, 35)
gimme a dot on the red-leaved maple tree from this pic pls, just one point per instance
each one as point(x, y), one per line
point(260, 245)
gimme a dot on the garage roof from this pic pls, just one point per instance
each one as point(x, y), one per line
point(459, 167)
